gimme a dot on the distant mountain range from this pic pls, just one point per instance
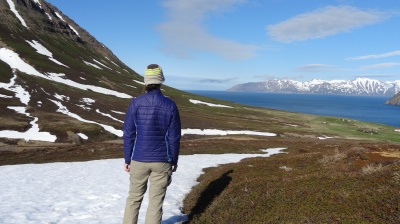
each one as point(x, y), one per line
point(359, 86)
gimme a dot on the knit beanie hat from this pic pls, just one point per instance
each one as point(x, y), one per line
point(153, 75)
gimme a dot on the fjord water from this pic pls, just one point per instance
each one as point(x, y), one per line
point(363, 108)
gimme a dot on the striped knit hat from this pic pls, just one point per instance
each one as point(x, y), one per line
point(153, 75)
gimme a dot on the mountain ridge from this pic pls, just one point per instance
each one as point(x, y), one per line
point(57, 78)
point(359, 86)
point(395, 100)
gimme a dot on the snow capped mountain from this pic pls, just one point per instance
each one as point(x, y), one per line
point(359, 86)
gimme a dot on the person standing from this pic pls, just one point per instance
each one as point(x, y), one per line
point(152, 132)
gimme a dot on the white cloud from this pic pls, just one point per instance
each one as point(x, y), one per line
point(380, 65)
point(213, 80)
point(184, 32)
point(329, 68)
point(322, 22)
point(315, 68)
point(372, 56)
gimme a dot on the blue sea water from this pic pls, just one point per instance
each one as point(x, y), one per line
point(363, 108)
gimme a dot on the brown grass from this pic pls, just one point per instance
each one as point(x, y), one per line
point(320, 184)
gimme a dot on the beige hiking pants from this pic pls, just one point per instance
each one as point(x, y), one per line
point(159, 176)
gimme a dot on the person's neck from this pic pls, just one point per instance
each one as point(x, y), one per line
point(153, 90)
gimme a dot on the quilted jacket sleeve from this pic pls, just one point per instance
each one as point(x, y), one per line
point(129, 133)
point(174, 136)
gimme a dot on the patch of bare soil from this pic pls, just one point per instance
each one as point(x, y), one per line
point(389, 154)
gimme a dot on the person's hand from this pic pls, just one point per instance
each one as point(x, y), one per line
point(127, 168)
point(174, 167)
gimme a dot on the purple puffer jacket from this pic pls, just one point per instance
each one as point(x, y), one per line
point(152, 129)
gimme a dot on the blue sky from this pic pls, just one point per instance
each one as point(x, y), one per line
point(216, 44)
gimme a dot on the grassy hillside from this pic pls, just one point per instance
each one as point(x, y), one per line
point(352, 177)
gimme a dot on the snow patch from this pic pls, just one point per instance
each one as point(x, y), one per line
point(324, 137)
point(88, 101)
point(273, 150)
point(112, 62)
point(208, 104)
point(5, 96)
point(190, 131)
point(39, 48)
point(56, 77)
point(91, 64)
point(138, 82)
point(72, 28)
point(61, 97)
point(64, 110)
point(20, 92)
point(38, 2)
point(15, 62)
point(101, 64)
point(12, 8)
point(108, 115)
point(59, 16)
point(48, 15)
point(57, 62)
point(83, 107)
point(117, 112)
point(83, 136)
point(33, 133)
point(130, 86)
point(93, 191)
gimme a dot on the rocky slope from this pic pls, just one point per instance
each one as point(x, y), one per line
point(52, 69)
point(395, 100)
point(360, 86)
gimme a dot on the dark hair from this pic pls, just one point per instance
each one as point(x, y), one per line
point(150, 87)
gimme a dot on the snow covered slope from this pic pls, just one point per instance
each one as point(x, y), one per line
point(359, 86)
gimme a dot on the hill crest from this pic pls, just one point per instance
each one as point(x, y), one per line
point(359, 86)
